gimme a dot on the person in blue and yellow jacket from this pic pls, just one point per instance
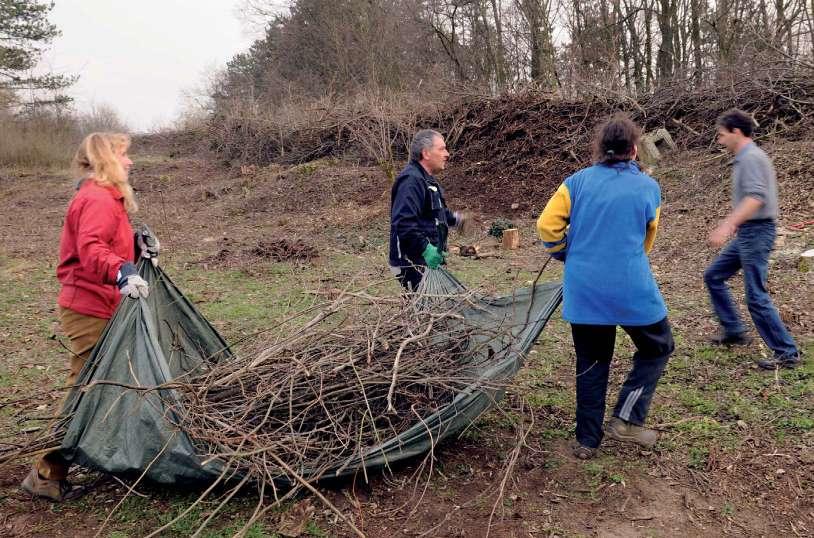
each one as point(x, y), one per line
point(602, 223)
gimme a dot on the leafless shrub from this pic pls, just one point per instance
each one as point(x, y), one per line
point(49, 137)
point(40, 141)
point(373, 127)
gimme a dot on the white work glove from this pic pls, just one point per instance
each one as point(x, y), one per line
point(129, 283)
point(462, 221)
point(459, 219)
point(148, 244)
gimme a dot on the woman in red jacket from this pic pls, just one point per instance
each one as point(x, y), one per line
point(96, 253)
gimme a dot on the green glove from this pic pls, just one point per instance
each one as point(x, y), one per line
point(432, 256)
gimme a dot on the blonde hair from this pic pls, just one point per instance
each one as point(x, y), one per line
point(97, 158)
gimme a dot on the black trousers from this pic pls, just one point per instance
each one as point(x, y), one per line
point(594, 346)
point(410, 277)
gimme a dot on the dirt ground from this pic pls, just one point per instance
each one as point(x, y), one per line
point(736, 456)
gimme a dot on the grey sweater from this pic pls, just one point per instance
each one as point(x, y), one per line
point(754, 176)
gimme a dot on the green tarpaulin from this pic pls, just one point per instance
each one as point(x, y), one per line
point(114, 425)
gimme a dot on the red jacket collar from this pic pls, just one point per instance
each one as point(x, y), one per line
point(89, 182)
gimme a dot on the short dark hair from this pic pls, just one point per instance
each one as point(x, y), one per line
point(737, 119)
point(615, 139)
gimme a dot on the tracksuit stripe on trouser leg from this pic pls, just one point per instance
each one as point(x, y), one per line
point(654, 345)
point(630, 401)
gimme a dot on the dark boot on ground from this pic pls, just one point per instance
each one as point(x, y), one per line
point(736, 339)
point(631, 433)
point(784, 361)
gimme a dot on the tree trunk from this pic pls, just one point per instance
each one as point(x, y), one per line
point(541, 48)
point(500, 51)
point(664, 59)
point(648, 42)
point(623, 43)
point(635, 45)
point(695, 37)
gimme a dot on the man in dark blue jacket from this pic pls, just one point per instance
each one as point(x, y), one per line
point(419, 217)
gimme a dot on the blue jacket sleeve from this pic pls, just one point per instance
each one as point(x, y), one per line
point(407, 204)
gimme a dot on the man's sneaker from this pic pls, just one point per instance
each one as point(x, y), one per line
point(56, 490)
point(735, 339)
point(630, 433)
point(783, 361)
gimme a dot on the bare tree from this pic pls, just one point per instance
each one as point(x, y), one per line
point(318, 47)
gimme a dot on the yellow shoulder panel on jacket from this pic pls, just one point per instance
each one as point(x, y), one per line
point(650, 236)
point(554, 220)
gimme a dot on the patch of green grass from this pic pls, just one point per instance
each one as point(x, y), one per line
point(616, 478)
point(678, 365)
point(698, 457)
point(799, 423)
point(741, 407)
point(555, 433)
point(233, 298)
point(133, 509)
point(257, 530)
point(698, 433)
point(550, 397)
point(702, 427)
point(187, 525)
point(606, 469)
point(313, 529)
point(21, 376)
point(707, 354)
point(493, 277)
point(694, 400)
point(594, 468)
point(139, 515)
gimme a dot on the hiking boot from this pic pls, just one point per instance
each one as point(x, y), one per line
point(582, 452)
point(783, 361)
point(630, 433)
point(734, 339)
point(56, 490)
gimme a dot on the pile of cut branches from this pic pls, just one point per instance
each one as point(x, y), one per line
point(336, 381)
point(359, 373)
point(304, 405)
point(517, 148)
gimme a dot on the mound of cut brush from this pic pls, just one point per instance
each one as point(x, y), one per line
point(359, 373)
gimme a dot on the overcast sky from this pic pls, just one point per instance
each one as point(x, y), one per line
point(139, 56)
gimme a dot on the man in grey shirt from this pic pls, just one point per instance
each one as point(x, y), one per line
point(752, 223)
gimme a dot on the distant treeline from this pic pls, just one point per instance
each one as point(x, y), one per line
point(336, 47)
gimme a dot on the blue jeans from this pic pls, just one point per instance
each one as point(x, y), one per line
point(749, 251)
